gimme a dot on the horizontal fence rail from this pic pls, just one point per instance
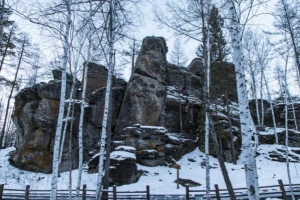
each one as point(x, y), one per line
point(275, 191)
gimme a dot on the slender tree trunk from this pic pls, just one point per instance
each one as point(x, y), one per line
point(220, 158)
point(106, 114)
point(261, 99)
point(55, 167)
point(180, 111)
point(11, 92)
point(70, 151)
point(246, 130)
point(8, 134)
point(206, 64)
point(292, 34)
point(254, 86)
point(2, 22)
point(68, 119)
point(272, 110)
point(108, 144)
point(133, 54)
point(294, 113)
point(287, 136)
point(10, 35)
point(83, 105)
point(233, 155)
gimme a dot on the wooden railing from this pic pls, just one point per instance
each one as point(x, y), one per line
point(280, 191)
point(85, 194)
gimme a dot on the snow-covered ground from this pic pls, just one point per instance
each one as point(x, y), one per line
point(161, 179)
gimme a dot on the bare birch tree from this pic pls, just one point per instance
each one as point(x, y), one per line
point(24, 43)
point(66, 47)
point(106, 114)
point(177, 54)
point(247, 128)
point(287, 26)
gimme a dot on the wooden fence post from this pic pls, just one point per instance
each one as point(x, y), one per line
point(282, 189)
point(27, 192)
point(114, 192)
point(1, 190)
point(84, 192)
point(217, 192)
point(148, 192)
point(187, 192)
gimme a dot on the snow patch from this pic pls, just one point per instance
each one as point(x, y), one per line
point(121, 155)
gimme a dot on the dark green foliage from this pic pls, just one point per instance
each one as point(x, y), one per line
point(218, 45)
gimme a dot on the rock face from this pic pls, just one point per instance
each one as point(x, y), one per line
point(155, 146)
point(159, 112)
point(146, 87)
point(35, 116)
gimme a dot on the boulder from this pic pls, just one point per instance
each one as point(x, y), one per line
point(196, 67)
point(123, 168)
point(36, 119)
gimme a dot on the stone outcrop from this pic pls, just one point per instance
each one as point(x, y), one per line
point(35, 116)
point(156, 146)
point(146, 87)
point(123, 168)
point(159, 112)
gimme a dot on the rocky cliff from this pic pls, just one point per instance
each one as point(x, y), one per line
point(159, 112)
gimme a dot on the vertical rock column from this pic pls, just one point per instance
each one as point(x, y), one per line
point(145, 93)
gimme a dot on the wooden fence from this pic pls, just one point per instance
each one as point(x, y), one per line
point(279, 191)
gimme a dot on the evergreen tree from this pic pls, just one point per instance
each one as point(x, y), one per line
point(218, 44)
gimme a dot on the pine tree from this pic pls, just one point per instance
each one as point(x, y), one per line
point(218, 44)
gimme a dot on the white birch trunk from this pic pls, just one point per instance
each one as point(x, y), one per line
point(67, 120)
point(70, 153)
point(80, 135)
point(207, 125)
point(287, 133)
point(206, 64)
point(57, 141)
point(83, 105)
point(272, 109)
point(294, 114)
point(244, 112)
point(261, 97)
point(254, 91)
point(107, 101)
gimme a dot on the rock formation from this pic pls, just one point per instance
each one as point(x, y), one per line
point(159, 112)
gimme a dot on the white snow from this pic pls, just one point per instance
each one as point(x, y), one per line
point(121, 155)
point(161, 179)
point(128, 148)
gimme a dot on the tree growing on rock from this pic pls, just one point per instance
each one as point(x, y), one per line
point(178, 56)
